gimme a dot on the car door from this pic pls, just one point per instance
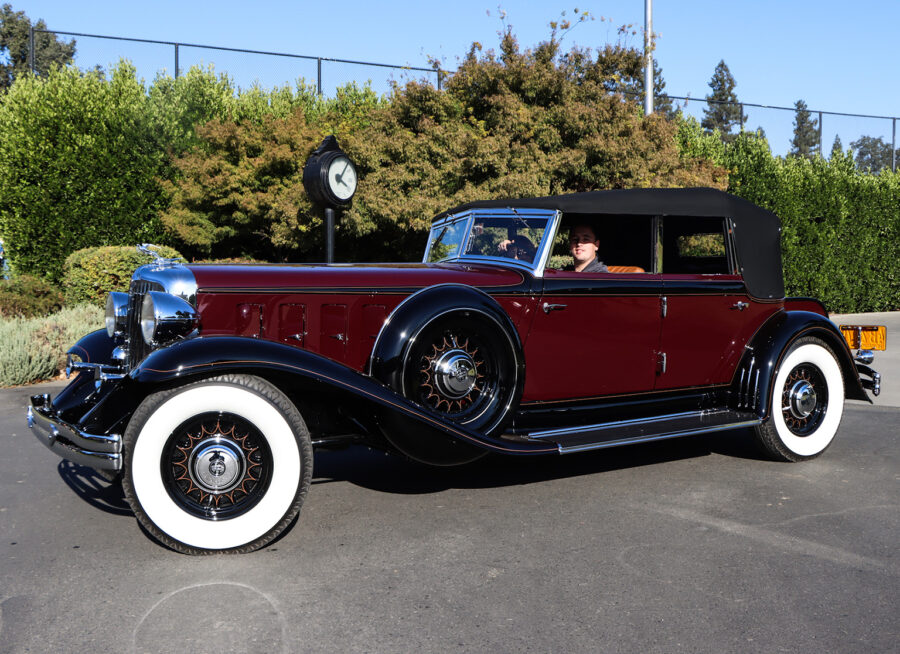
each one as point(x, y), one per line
point(707, 314)
point(593, 334)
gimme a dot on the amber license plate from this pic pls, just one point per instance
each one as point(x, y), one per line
point(865, 337)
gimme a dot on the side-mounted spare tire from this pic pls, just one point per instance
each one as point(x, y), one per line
point(456, 353)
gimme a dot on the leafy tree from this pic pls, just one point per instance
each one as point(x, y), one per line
point(723, 111)
point(805, 142)
point(662, 103)
point(507, 124)
point(14, 46)
point(872, 153)
point(837, 147)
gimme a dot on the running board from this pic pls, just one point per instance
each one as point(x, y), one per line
point(643, 430)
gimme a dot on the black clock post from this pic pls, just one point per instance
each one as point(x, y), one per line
point(329, 178)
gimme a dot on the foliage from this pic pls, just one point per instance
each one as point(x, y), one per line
point(14, 47)
point(837, 147)
point(34, 349)
point(77, 167)
point(840, 227)
point(90, 274)
point(510, 124)
point(26, 296)
point(805, 142)
point(723, 112)
point(873, 154)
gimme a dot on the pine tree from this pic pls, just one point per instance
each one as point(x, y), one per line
point(723, 111)
point(806, 133)
point(837, 147)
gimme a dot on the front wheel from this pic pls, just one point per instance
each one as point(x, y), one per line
point(219, 465)
point(807, 403)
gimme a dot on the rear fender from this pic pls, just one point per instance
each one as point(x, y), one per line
point(762, 357)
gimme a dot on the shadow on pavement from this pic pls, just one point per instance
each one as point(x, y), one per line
point(92, 488)
point(394, 474)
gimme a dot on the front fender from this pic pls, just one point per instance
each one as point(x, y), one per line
point(762, 358)
point(199, 357)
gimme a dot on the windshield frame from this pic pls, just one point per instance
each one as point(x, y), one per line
point(468, 218)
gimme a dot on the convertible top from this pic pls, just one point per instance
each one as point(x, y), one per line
point(757, 231)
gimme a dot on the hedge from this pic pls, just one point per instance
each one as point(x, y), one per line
point(25, 296)
point(91, 273)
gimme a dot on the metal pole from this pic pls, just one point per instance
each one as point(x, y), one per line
point(894, 146)
point(439, 79)
point(329, 235)
point(319, 74)
point(176, 61)
point(743, 120)
point(31, 48)
point(820, 134)
point(648, 55)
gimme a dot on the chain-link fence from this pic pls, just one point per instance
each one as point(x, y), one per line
point(270, 69)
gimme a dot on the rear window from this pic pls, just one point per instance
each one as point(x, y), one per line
point(695, 246)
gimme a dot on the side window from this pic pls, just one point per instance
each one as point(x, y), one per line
point(695, 246)
point(625, 241)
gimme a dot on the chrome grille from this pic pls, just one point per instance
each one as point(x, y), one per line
point(137, 348)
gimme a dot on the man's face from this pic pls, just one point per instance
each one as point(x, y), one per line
point(583, 244)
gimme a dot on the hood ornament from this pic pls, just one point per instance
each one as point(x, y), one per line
point(159, 261)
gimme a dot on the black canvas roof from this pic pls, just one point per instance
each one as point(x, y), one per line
point(757, 231)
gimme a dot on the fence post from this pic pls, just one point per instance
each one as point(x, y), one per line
point(894, 145)
point(319, 74)
point(820, 135)
point(176, 61)
point(31, 48)
point(742, 117)
point(439, 79)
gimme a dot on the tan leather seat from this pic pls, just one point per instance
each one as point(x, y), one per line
point(625, 269)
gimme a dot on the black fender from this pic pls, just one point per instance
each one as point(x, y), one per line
point(214, 355)
point(420, 309)
point(95, 347)
point(752, 383)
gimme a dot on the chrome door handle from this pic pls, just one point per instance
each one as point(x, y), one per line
point(740, 306)
point(547, 307)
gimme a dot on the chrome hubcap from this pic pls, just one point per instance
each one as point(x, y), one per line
point(217, 465)
point(802, 399)
point(455, 374)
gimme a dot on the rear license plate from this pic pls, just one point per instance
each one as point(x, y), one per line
point(865, 337)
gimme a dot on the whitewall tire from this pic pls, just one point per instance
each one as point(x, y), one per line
point(218, 465)
point(807, 403)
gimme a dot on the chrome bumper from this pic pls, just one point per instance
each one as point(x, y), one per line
point(99, 451)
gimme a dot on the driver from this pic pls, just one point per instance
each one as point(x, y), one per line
point(518, 247)
point(583, 244)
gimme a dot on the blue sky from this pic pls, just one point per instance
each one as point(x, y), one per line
point(837, 56)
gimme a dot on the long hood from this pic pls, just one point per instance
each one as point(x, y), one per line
point(300, 277)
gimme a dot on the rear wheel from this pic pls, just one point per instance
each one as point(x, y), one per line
point(219, 465)
point(807, 403)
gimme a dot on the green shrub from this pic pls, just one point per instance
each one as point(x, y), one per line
point(25, 296)
point(34, 349)
point(91, 273)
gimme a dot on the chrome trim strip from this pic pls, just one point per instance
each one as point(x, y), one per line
point(569, 431)
point(657, 437)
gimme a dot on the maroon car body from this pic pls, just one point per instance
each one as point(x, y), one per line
point(212, 384)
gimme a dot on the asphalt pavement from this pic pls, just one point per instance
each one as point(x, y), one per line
point(691, 545)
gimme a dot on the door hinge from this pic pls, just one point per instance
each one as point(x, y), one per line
point(664, 306)
point(660, 363)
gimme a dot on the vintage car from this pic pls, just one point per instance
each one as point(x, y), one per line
point(211, 385)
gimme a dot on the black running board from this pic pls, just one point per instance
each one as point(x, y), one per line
point(642, 430)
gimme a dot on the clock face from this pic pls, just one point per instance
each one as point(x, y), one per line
point(342, 178)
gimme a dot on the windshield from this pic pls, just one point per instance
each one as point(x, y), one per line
point(505, 234)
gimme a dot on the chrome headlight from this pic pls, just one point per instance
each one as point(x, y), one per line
point(166, 317)
point(116, 314)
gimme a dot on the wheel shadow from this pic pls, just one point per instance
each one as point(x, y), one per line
point(94, 489)
point(395, 474)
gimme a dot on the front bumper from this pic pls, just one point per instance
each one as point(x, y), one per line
point(98, 451)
